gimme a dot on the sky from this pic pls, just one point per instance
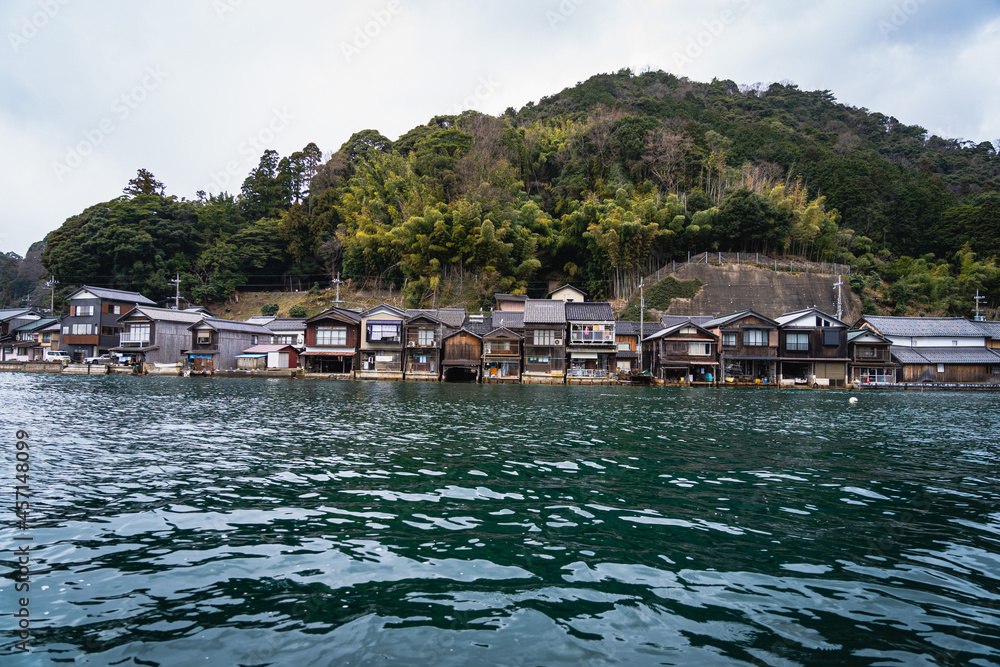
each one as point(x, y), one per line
point(195, 90)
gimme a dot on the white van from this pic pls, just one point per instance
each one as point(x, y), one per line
point(55, 355)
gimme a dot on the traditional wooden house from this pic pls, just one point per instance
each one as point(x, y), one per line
point(937, 349)
point(216, 343)
point(502, 356)
point(627, 341)
point(156, 335)
point(331, 341)
point(423, 335)
point(568, 293)
point(591, 344)
point(462, 356)
point(871, 361)
point(92, 326)
point(992, 331)
point(682, 353)
point(10, 321)
point(748, 346)
point(268, 357)
point(544, 342)
point(28, 339)
point(381, 343)
point(813, 348)
point(288, 331)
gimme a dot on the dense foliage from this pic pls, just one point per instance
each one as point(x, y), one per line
point(598, 185)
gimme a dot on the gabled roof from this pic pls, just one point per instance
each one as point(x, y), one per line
point(339, 314)
point(544, 311)
point(164, 315)
point(510, 297)
point(458, 331)
point(230, 325)
point(113, 295)
point(597, 311)
point(671, 330)
point(36, 325)
point(386, 307)
point(904, 327)
point(733, 317)
point(670, 320)
point(855, 334)
point(425, 315)
point(788, 318)
point(450, 317)
point(503, 332)
point(992, 329)
point(15, 312)
point(944, 355)
point(508, 319)
point(567, 285)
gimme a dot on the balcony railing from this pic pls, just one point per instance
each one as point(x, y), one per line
point(134, 338)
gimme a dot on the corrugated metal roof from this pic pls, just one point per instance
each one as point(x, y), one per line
point(116, 295)
point(589, 311)
point(954, 327)
point(700, 320)
point(732, 317)
point(13, 312)
point(944, 355)
point(544, 311)
point(35, 325)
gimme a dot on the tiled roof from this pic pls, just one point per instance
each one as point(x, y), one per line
point(671, 320)
point(626, 328)
point(944, 355)
point(992, 329)
point(166, 315)
point(342, 313)
point(116, 295)
point(508, 319)
point(726, 319)
point(230, 325)
point(626, 354)
point(451, 317)
point(589, 311)
point(287, 324)
point(509, 297)
point(544, 311)
point(954, 327)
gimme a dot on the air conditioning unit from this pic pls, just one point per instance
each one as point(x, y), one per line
point(557, 341)
point(411, 344)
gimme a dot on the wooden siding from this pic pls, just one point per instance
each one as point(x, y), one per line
point(956, 373)
point(817, 350)
point(464, 349)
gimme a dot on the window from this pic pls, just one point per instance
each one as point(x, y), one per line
point(383, 332)
point(82, 329)
point(877, 375)
point(755, 337)
point(83, 311)
point(545, 337)
point(254, 339)
point(699, 349)
point(994, 370)
point(729, 339)
point(46, 338)
point(284, 340)
point(425, 337)
point(831, 337)
point(110, 331)
point(204, 338)
point(624, 347)
point(940, 368)
point(797, 342)
point(112, 309)
point(331, 335)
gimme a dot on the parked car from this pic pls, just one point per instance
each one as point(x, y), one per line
point(100, 359)
point(56, 355)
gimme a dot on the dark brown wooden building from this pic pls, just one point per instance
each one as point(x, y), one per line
point(332, 341)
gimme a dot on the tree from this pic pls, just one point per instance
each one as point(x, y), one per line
point(144, 183)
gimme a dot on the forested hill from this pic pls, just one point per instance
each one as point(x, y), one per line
point(598, 185)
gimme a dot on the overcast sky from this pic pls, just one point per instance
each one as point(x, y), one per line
point(196, 90)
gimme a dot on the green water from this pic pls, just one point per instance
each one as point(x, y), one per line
point(181, 521)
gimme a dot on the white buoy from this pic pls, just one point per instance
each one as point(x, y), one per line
point(852, 400)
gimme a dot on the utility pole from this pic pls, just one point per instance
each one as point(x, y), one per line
point(840, 309)
point(52, 300)
point(642, 317)
point(979, 318)
point(336, 281)
point(177, 292)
